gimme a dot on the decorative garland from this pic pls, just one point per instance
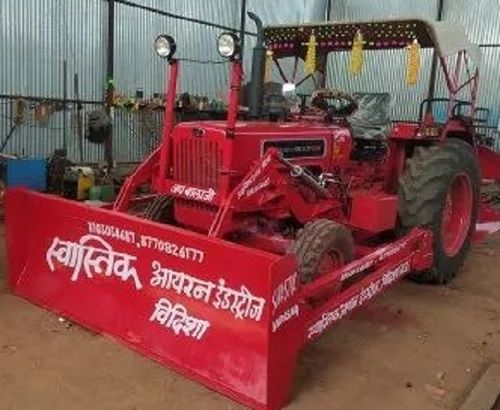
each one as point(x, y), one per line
point(356, 63)
point(413, 67)
point(311, 54)
point(268, 70)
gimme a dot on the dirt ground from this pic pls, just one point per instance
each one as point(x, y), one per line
point(415, 348)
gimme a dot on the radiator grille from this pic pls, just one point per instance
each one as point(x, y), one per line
point(197, 162)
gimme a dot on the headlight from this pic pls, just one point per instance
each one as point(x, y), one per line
point(228, 45)
point(165, 46)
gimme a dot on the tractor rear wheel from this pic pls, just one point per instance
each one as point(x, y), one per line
point(160, 209)
point(439, 190)
point(320, 247)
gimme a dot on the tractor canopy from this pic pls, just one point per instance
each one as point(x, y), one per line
point(445, 37)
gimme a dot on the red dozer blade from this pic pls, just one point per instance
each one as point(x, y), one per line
point(231, 317)
point(199, 305)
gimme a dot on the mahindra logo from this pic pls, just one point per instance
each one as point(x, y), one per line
point(198, 132)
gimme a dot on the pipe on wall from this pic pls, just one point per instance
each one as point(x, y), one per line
point(110, 88)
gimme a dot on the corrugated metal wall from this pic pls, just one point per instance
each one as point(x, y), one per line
point(385, 71)
point(481, 19)
point(284, 12)
point(36, 37)
point(137, 67)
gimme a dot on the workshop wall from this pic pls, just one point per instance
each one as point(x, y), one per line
point(138, 67)
point(37, 36)
point(36, 40)
point(284, 12)
point(385, 71)
point(481, 20)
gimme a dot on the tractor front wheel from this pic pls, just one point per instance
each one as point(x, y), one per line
point(439, 191)
point(320, 247)
point(161, 209)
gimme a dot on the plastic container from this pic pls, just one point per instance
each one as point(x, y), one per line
point(95, 193)
point(107, 193)
point(29, 173)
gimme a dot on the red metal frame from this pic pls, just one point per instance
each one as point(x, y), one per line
point(170, 94)
point(456, 215)
point(156, 165)
point(234, 96)
point(453, 81)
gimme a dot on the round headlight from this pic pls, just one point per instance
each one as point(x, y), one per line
point(165, 46)
point(228, 45)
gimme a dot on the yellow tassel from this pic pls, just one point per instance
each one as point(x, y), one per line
point(268, 70)
point(311, 55)
point(356, 65)
point(413, 68)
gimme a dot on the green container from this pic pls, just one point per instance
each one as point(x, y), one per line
point(107, 193)
point(95, 193)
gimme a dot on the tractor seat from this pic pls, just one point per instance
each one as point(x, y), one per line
point(370, 125)
point(372, 119)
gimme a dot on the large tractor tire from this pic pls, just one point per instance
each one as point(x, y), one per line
point(320, 247)
point(439, 190)
point(161, 209)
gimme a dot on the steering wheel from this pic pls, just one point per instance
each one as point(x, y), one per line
point(345, 107)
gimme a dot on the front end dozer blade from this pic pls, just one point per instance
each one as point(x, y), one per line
point(217, 312)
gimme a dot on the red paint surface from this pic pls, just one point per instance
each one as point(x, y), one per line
point(251, 361)
point(233, 357)
point(456, 214)
point(490, 163)
point(373, 211)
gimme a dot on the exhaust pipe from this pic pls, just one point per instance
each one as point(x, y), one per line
point(256, 92)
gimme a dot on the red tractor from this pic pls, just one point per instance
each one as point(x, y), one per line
point(268, 228)
point(332, 179)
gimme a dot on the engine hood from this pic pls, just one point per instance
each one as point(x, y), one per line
point(204, 155)
point(251, 139)
point(263, 127)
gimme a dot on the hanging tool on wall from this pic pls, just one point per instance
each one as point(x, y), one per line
point(43, 112)
point(98, 126)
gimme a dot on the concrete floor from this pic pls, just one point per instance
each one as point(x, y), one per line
point(415, 348)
